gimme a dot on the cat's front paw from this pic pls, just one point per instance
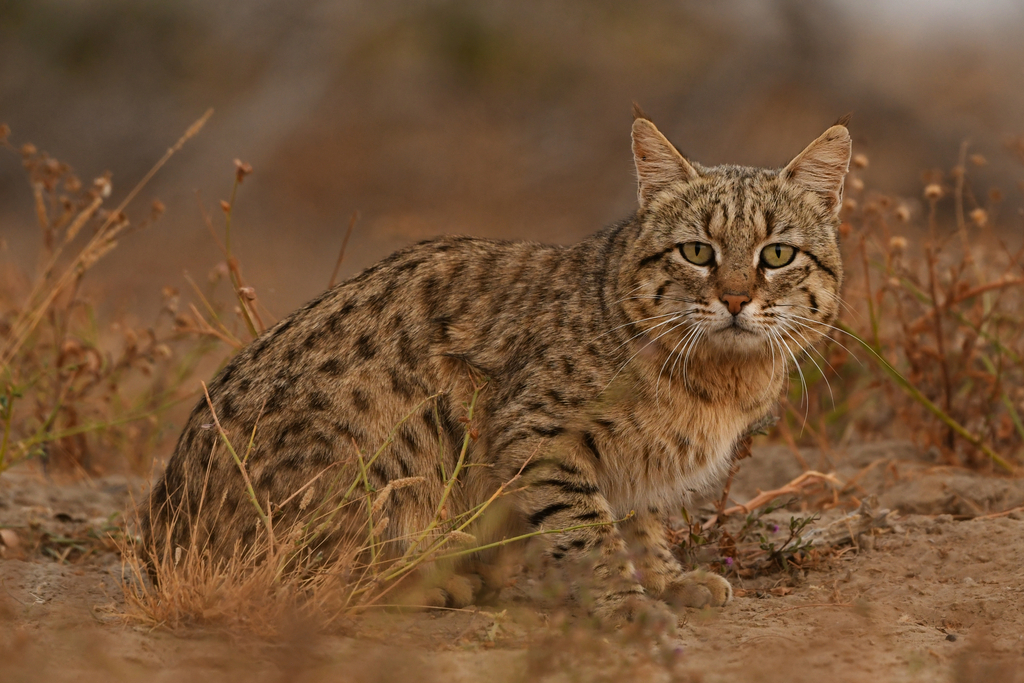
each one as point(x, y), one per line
point(698, 589)
point(455, 590)
point(638, 609)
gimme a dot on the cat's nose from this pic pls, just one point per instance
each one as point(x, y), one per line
point(735, 301)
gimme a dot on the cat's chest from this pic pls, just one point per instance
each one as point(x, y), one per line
point(660, 455)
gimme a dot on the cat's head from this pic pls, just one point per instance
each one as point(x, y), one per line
point(735, 259)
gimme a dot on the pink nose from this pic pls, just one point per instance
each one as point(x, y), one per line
point(735, 302)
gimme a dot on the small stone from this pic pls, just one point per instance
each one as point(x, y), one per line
point(9, 538)
point(951, 637)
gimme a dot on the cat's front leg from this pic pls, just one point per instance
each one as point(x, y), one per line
point(660, 572)
point(585, 537)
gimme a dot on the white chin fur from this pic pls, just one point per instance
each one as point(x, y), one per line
point(734, 340)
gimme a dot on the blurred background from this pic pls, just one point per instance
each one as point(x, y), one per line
point(488, 117)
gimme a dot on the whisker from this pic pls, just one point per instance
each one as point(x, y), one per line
point(805, 392)
point(771, 347)
point(642, 284)
point(657, 298)
point(803, 381)
point(817, 322)
point(785, 361)
point(828, 295)
point(790, 331)
point(794, 318)
point(809, 346)
point(630, 359)
point(638, 286)
point(633, 322)
point(690, 333)
point(687, 351)
point(839, 300)
point(657, 384)
point(677, 316)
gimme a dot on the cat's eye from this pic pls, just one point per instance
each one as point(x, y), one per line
point(777, 255)
point(697, 253)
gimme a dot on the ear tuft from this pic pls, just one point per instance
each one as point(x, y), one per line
point(658, 163)
point(639, 113)
point(822, 167)
point(844, 120)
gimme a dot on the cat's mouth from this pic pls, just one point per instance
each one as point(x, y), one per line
point(735, 337)
point(736, 327)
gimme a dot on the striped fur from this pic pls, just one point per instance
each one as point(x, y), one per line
point(617, 380)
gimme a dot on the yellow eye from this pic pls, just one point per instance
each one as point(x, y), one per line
point(777, 255)
point(698, 253)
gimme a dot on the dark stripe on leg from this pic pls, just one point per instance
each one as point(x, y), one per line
point(538, 517)
point(569, 486)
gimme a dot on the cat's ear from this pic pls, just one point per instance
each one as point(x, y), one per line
point(822, 167)
point(658, 162)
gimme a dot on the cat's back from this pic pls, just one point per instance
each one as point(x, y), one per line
point(373, 359)
point(403, 310)
point(372, 341)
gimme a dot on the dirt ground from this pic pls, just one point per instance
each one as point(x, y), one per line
point(935, 595)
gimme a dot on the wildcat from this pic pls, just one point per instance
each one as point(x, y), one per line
point(618, 375)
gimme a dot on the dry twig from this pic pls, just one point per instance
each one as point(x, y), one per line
point(794, 487)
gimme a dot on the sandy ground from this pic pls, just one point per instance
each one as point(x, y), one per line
point(939, 597)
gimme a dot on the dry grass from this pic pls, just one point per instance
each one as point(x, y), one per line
point(72, 385)
point(931, 340)
point(284, 576)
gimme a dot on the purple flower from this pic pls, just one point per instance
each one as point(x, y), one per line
point(728, 562)
point(774, 528)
